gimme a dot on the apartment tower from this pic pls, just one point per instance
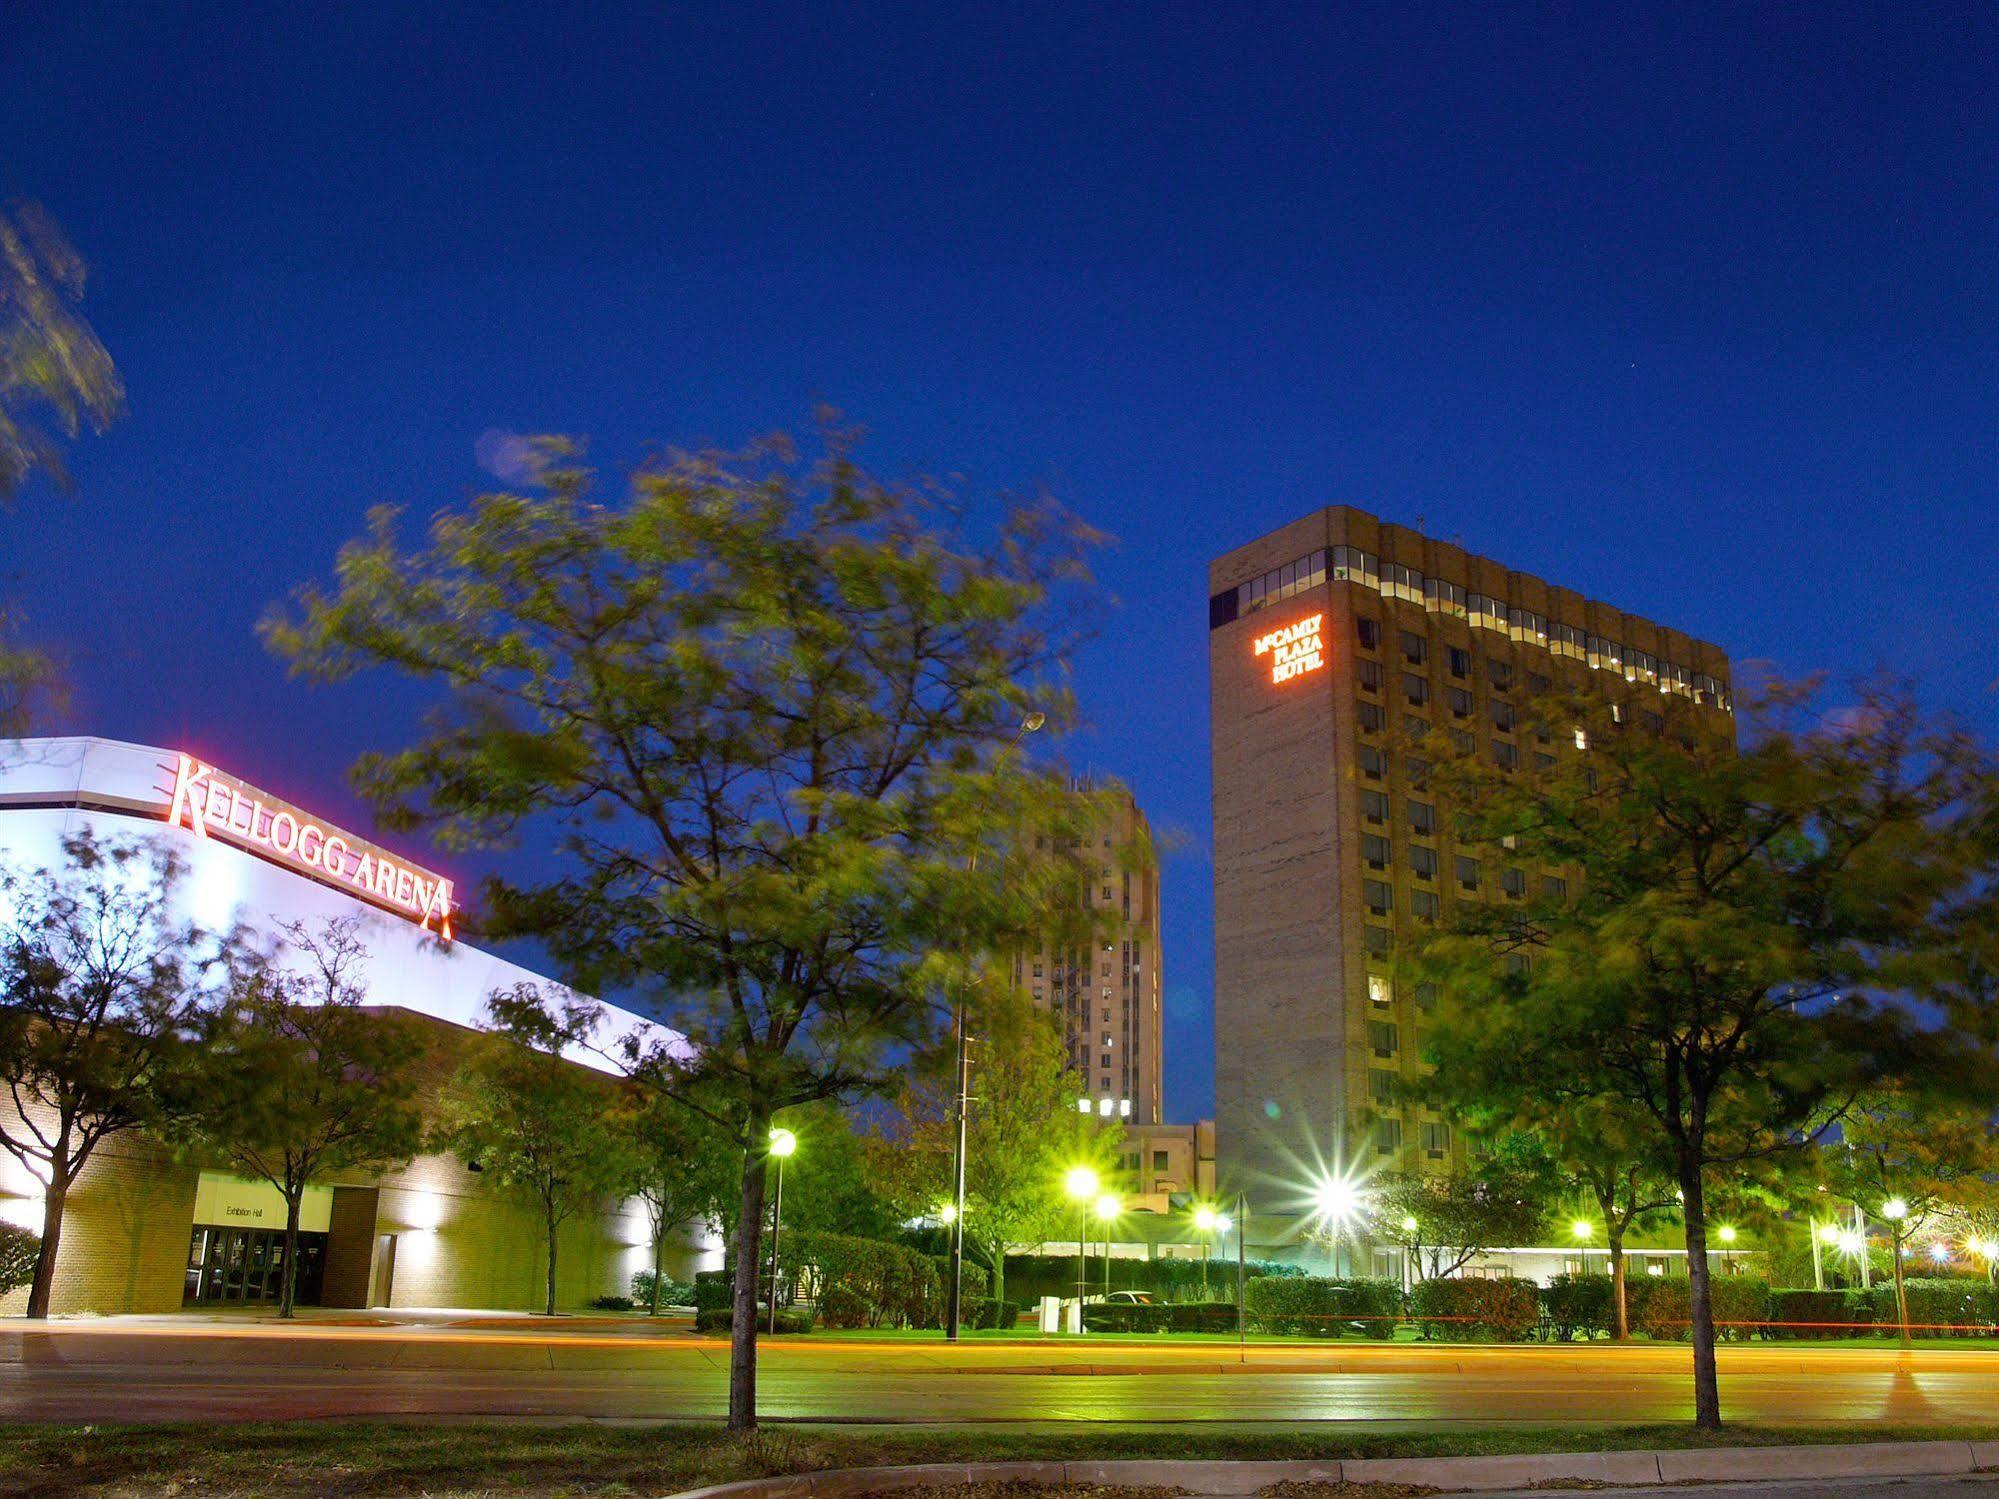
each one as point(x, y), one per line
point(1333, 642)
point(1108, 995)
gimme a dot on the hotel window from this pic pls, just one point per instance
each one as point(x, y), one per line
point(1374, 849)
point(1381, 1087)
point(1380, 941)
point(1498, 673)
point(1415, 649)
point(1650, 722)
point(1436, 1140)
point(1486, 612)
point(1416, 766)
point(1467, 870)
point(1367, 632)
point(1387, 1136)
point(1440, 597)
point(1606, 654)
point(1422, 817)
point(1641, 666)
point(1160, 1161)
point(1528, 626)
point(1369, 716)
point(1459, 661)
point(1400, 582)
point(1378, 896)
point(1425, 905)
point(1502, 716)
point(1513, 882)
point(1383, 1038)
point(1568, 640)
point(1426, 997)
point(1459, 701)
point(1368, 674)
point(1537, 684)
point(1554, 887)
point(1352, 565)
point(1416, 689)
point(1415, 727)
point(1373, 763)
point(1379, 992)
point(1504, 755)
point(1422, 862)
point(1543, 761)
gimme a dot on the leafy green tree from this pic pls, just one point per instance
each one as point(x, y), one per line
point(1913, 1161)
point(760, 705)
point(52, 367)
point(1022, 1132)
point(101, 987)
point(1733, 927)
point(1499, 1199)
point(532, 1120)
point(302, 1081)
point(682, 1168)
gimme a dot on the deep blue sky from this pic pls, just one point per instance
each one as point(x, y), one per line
point(1697, 314)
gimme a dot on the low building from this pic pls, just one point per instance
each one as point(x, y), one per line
point(144, 1232)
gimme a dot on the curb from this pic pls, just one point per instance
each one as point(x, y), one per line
point(1459, 1474)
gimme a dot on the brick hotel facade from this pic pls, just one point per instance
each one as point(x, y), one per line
point(1330, 642)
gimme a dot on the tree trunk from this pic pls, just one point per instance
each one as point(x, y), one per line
point(1901, 1291)
point(1620, 1317)
point(53, 1202)
point(749, 1257)
point(999, 1272)
point(288, 1289)
point(658, 1263)
point(1707, 1387)
point(550, 1309)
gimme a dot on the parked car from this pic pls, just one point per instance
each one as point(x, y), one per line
point(1128, 1298)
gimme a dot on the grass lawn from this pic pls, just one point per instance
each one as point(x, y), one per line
point(355, 1458)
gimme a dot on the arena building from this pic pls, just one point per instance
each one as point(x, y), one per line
point(144, 1232)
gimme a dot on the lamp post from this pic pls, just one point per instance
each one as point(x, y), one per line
point(1726, 1233)
point(1081, 1186)
point(1205, 1219)
point(1107, 1208)
point(1824, 1236)
point(954, 1293)
point(782, 1143)
point(1896, 1211)
point(1410, 1229)
point(1241, 1278)
point(1582, 1231)
point(1337, 1201)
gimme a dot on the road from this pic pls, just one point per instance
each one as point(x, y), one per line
point(176, 1369)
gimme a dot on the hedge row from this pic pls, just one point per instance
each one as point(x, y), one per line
point(1321, 1307)
point(1163, 1316)
point(723, 1319)
point(1029, 1277)
point(1500, 1311)
point(1661, 1307)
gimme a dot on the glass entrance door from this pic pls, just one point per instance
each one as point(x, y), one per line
point(246, 1265)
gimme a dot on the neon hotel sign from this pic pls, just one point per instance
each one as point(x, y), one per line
point(1295, 649)
point(213, 803)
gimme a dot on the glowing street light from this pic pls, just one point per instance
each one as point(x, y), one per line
point(1940, 1253)
point(783, 1145)
point(1207, 1223)
point(1408, 1223)
point(1894, 1210)
point(947, 1214)
point(1336, 1202)
point(1829, 1233)
point(1726, 1233)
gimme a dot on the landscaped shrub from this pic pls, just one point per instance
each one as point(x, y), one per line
point(1939, 1308)
point(19, 1249)
point(1120, 1316)
point(1321, 1307)
point(713, 1289)
point(1029, 1277)
point(1818, 1314)
point(613, 1303)
point(1504, 1311)
point(1661, 1306)
point(1201, 1316)
point(988, 1313)
point(723, 1319)
point(881, 1283)
point(841, 1307)
point(1574, 1305)
point(671, 1292)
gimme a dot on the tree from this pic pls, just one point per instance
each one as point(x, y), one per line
point(101, 989)
point(536, 1122)
point(303, 1081)
point(1735, 928)
point(761, 705)
point(1022, 1131)
point(49, 357)
point(1912, 1162)
point(1474, 1206)
point(52, 363)
point(682, 1168)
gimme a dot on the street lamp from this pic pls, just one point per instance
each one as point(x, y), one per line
point(954, 1292)
point(782, 1143)
point(1825, 1236)
point(1726, 1233)
point(1081, 1186)
point(1107, 1209)
point(1582, 1231)
point(1205, 1221)
point(1337, 1203)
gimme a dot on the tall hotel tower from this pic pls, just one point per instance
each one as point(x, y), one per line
point(1330, 643)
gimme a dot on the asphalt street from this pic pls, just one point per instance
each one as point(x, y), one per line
point(171, 1369)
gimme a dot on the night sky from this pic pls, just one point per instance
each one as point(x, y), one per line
point(1697, 315)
